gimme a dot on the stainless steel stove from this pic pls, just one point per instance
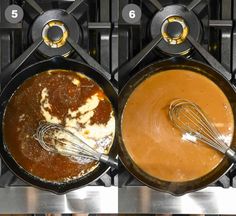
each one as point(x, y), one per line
point(93, 39)
point(100, 32)
point(211, 26)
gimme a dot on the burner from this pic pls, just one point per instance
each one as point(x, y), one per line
point(178, 23)
point(55, 34)
point(55, 26)
point(174, 30)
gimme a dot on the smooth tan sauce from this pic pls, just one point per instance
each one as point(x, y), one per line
point(154, 144)
point(63, 97)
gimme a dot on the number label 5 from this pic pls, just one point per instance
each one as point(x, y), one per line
point(14, 14)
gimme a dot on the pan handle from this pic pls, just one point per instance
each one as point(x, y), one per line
point(109, 161)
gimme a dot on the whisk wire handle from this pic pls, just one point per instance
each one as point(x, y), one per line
point(73, 147)
point(108, 160)
point(231, 154)
point(189, 118)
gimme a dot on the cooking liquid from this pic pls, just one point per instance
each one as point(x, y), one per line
point(152, 142)
point(63, 97)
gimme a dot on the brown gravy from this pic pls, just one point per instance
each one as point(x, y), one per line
point(54, 96)
point(151, 140)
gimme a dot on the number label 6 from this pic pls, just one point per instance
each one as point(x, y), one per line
point(131, 13)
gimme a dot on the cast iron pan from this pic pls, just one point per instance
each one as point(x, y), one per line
point(17, 80)
point(175, 188)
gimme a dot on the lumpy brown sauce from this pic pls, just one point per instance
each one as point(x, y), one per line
point(65, 90)
point(151, 140)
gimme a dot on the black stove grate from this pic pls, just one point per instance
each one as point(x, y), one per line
point(143, 49)
point(99, 39)
point(216, 17)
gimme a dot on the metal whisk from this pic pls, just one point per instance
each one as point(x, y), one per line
point(56, 138)
point(189, 118)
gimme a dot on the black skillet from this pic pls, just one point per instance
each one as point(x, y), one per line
point(16, 81)
point(175, 188)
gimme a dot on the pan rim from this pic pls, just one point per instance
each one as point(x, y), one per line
point(173, 188)
point(101, 169)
